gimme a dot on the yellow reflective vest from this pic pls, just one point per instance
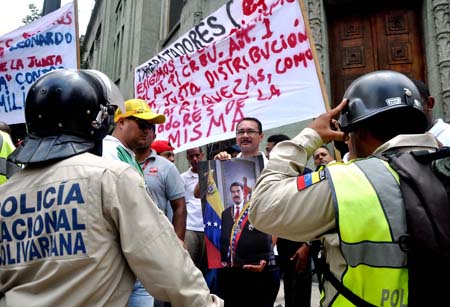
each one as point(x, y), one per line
point(6, 148)
point(371, 220)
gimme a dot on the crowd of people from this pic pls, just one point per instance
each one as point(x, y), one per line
point(92, 218)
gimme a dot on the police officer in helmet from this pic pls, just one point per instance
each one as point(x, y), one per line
point(354, 207)
point(67, 113)
point(78, 229)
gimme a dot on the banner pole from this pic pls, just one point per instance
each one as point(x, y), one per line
point(337, 154)
point(313, 49)
point(77, 31)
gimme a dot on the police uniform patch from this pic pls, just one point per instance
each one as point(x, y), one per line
point(309, 179)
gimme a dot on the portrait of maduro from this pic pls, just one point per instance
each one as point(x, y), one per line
point(226, 189)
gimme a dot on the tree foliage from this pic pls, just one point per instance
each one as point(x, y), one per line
point(33, 15)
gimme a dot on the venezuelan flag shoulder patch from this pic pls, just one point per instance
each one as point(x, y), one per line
point(309, 179)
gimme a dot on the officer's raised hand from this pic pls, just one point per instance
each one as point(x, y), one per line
point(327, 126)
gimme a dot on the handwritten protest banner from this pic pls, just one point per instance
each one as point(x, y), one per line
point(27, 53)
point(219, 73)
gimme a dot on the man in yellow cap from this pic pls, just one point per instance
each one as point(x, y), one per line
point(131, 131)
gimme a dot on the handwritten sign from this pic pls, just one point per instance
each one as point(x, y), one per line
point(27, 53)
point(264, 68)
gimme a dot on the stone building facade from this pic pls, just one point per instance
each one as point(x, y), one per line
point(125, 33)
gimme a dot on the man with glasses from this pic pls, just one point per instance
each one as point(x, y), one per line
point(248, 136)
point(260, 277)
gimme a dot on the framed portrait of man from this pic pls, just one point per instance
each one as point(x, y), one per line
point(226, 189)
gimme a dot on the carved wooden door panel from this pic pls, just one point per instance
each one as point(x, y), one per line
point(373, 37)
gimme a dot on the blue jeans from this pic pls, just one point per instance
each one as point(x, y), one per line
point(140, 297)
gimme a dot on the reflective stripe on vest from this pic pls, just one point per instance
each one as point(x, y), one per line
point(7, 168)
point(3, 161)
point(370, 217)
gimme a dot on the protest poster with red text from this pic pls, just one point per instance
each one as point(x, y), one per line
point(27, 53)
point(260, 64)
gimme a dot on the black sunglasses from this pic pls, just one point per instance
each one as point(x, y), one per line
point(143, 124)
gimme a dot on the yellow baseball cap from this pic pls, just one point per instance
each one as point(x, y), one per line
point(140, 109)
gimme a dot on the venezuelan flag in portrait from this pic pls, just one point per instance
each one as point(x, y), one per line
point(212, 221)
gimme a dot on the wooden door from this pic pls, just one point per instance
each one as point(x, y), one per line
point(367, 36)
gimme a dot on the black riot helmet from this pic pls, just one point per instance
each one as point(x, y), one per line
point(383, 95)
point(67, 112)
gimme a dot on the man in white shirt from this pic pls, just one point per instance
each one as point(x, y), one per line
point(439, 128)
point(253, 266)
point(194, 237)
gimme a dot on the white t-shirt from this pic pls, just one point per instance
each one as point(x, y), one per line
point(441, 130)
point(194, 219)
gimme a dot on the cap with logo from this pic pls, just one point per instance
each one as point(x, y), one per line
point(139, 108)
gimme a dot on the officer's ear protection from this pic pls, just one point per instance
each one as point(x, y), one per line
point(103, 120)
point(102, 114)
point(344, 113)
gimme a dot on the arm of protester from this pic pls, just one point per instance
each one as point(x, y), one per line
point(255, 267)
point(283, 201)
point(174, 190)
point(149, 243)
point(301, 257)
point(179, 216)
point(223, 155)
point(197, 193)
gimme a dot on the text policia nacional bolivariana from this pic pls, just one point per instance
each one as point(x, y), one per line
point(42, 224)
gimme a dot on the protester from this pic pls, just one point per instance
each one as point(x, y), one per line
point(294, 258)
point(130, 132)
point(248, 137)
point(195, 237)
point(274, 140)
point(438, 127)
point(162, 179)
point(164, 149)
point(245, 284)
point(164, 182)
point(339, 204)
point(322, 156)
point(101, 227)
